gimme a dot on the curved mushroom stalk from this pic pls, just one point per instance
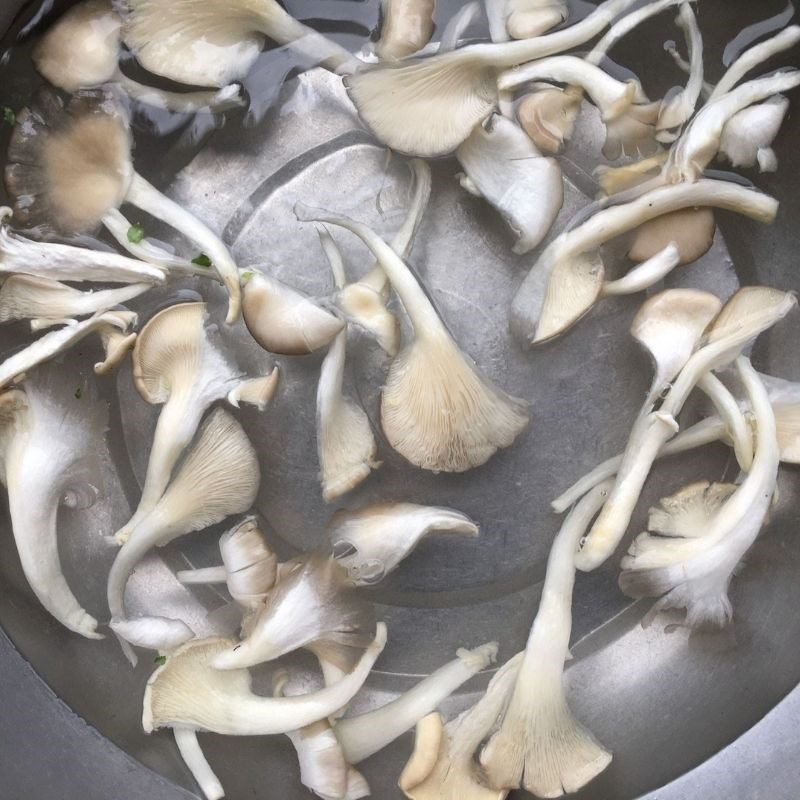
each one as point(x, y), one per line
point(68, 166)
point(68, 263)
point(195, 760)
point(505, 167)
point(548, 116)
point(691, 229)
point(218, 477)
point(177, 363)
point(428, 107)
point(346, 446)
point(748, 136)
point(407, 27)
point(539, 745)
point(573, 266)
point(58, 341)
point(748, 313)
point(372, 541)
point(218, 41)
point(647, 274)
point(737, 426)
point(313, 606)
point(284, 320)
point(707, 531)
point(437, 410)
point(46, 302)
point(188, 692)
point(82, 50)
point(116, 344)
point(48, 438)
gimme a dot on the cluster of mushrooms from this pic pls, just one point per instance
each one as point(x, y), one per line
point(505, 110)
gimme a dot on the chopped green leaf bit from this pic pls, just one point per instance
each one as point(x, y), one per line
point(78, 393)
point(136, 233)
point(160, 660)
point(202, 260)
point(246, 276)
point(9, 116)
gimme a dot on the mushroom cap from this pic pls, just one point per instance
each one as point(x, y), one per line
point(548, 116)
point(749, 306)
point(69, 165)
point(284, 320)
point(168, 347)
point(692, 230)
point(529, 18)
point(687, 512)
point(82, 48)
point(250, 563)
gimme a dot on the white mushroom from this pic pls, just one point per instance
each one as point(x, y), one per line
point(407, 26)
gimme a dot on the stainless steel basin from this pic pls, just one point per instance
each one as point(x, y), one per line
point(716, 710)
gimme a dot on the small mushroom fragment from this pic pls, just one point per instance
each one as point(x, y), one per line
point(698, 538)
point(116, 343)
point(47, 302)
point(68, 166)
point(58, 341)
point(526, 19)
point(346, 446)
point(68, 263)
point(372, 541)
point(178, 363)
point(217, 41)
point(504, 166)
point(437, 410)
point(407, 26)
point(49, 433)
point(189, 695)
point(748, 136)
point(82, 50)
point(748, 313)
point(313, 605)
point(539, 745)
point(284, 320)
point(218, 477)
point(428, 107)
point(548, 116)
point(574, 265)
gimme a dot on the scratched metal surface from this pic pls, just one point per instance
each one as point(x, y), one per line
point(663, 704)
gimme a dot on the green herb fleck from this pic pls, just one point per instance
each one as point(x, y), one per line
point(9, 117)
point(136, 233)
point(246, 276)
point(78, 393)
point(202, 260)
point(160, 660)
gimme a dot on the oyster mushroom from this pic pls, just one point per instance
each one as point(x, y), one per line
point(49, 433)
point(436, 409)
point(407, 27)
point(68, 166)
point(548, 116)
point(748, 136)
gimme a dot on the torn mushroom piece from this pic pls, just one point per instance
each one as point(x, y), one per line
point(284, 320)
point(573, 265)
point(49, 435)
point(46, 302)
point(539, 745)
point(82, 50)
point(217, 41)
point(189, 695)
point(116, 342)
point(748, 313)
point(59, 341)
point(548, 116)
point(428, 107)
point(503, 166)
point(346, 446)
point(178, 363)
point(218, 477)
point(313, 605)
point(697, 540)
point(526, 19)
point(69, 166)
point(437, 410)
point(407, 26)
point(372, 541)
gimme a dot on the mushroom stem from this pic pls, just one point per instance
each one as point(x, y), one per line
point(646, 274)
point(182, 102)
point(204, 575)
point(193, 757)
point(731, 414)
point(149, 199)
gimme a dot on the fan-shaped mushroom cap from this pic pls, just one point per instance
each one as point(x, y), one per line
point(692, 230)
point(548, 116)
point(68, 165)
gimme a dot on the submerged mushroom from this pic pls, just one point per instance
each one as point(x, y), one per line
point(68, 166)
point(503, 166)
point(437, 410)
point(372, 541)
point(82, 50)
point(49, 435)
point(218, 477)
point(217, 41)
point(407, 26)
point(548, 116)
point(697, 538)
point(178, 363)
point(189, 695)
point(748, 136)
point(528, 18)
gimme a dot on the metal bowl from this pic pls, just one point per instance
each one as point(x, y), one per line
point(703, 717)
